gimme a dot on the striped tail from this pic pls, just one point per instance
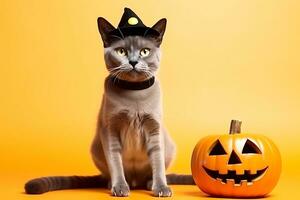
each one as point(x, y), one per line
point(179, 179)
point(46, 184)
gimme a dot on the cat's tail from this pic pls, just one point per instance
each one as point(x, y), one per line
point(180, 179)
point(46, 184)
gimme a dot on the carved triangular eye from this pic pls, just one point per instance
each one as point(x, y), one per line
point(217, 149)
point(250, 147)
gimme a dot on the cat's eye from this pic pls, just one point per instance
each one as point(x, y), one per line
point(145, 52)
point(121, 51)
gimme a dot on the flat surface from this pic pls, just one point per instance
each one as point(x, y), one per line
point(12, 188)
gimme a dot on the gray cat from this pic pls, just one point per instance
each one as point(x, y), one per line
point(131, 147)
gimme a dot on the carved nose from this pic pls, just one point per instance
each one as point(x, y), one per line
point(234, 159)
point(133, 63)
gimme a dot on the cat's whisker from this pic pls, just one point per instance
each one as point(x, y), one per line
point(146, 74)
point(119, 74)
point(149, 73)
point(116, 77)
point(114, 73)
point(115, 68)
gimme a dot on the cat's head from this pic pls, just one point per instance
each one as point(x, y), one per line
point(131, 58)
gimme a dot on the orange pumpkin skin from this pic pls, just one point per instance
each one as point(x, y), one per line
point(268, 159)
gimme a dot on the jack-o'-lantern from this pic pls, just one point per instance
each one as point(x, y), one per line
point(236, 164)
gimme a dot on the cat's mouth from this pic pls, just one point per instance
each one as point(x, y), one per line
point(137, 70)
point(237, 178)
point(134, 73)
point(134, 70)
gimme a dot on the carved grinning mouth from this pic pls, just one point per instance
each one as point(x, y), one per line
point(231, 175)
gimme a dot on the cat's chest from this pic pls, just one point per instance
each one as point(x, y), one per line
point(132, 130)
point(136, 107)
point(132, 136)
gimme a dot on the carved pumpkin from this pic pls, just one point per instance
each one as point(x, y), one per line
point(236, 165)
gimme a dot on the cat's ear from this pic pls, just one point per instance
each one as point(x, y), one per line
point(104, 29)
point(160, 27)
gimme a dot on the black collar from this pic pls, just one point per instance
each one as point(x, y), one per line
point(128, 85)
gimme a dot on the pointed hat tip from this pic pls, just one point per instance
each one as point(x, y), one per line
point(126, 8)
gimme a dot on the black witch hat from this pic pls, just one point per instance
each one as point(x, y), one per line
point(131, 25)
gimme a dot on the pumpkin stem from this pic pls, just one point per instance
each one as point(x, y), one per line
point(235, 126)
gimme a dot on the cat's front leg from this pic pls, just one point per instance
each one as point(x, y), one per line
point(155, 152)
point(119, 186)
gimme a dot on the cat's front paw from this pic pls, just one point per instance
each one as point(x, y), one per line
point(162, 191)
point(120, 190)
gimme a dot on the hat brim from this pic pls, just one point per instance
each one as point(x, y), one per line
point(134, 31)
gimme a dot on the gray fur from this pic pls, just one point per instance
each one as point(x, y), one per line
point(131, 147)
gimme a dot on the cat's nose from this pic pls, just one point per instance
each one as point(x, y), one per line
point(133, 63)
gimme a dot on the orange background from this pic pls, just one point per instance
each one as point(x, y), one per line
point(221, 60)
